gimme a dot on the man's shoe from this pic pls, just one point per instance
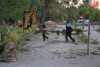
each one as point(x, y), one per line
point(43, 40)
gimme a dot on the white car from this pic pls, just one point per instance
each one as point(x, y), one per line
point(86, 22)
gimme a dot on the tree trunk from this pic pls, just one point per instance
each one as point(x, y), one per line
point(47, 2)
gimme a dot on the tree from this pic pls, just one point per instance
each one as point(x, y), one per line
point(89, 12)
point(37, 4)
point(47, 2)
point(56, 12)
point(13, 8)
point(46, 10)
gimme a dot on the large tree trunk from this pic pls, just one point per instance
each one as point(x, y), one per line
point(8, 54)
point(47, 2)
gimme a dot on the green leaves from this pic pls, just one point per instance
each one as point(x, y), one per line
point(3, 30)
point(15, 34)
point(13, 8)
point(56, 11)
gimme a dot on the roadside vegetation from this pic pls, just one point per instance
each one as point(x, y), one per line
point(15, 34)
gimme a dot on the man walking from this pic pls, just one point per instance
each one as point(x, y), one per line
point(44, 32)
point(69, 31)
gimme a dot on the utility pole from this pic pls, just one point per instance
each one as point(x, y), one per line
point(88, 45)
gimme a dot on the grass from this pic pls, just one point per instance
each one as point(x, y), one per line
point(76, 43)
point(20, 48)
point(95, 42)
point(55, 40)
point(27, 39)
point(98, 48)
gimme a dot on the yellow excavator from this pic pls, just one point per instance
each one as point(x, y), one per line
point(29, 19)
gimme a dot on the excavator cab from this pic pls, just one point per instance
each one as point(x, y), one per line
point(29, 19)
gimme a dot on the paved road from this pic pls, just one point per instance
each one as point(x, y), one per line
point(93, 34)
point(56, 54)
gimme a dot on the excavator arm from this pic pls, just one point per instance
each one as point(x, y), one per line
point(34, 17)
point(29, 18)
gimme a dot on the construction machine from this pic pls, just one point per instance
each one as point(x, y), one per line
point(28, 19)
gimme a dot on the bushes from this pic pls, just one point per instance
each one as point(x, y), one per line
point(3, 31)
point(15, 34)
point(98, 30)
point(78, 31)
point(63, 31)
point(57, 32)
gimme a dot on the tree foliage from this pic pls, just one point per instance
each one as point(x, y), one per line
point(13, 8)
point(56, 11)
point(38, 5)
point(90, 12)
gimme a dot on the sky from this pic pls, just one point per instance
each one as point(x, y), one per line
point(81, 2)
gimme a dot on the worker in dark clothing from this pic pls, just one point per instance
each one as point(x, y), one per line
point(69, 32)
point(44, 32)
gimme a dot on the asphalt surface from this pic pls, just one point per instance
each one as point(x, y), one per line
point(50, 53)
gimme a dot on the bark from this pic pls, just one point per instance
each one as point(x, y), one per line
point(47, 2)
point(8, 53)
